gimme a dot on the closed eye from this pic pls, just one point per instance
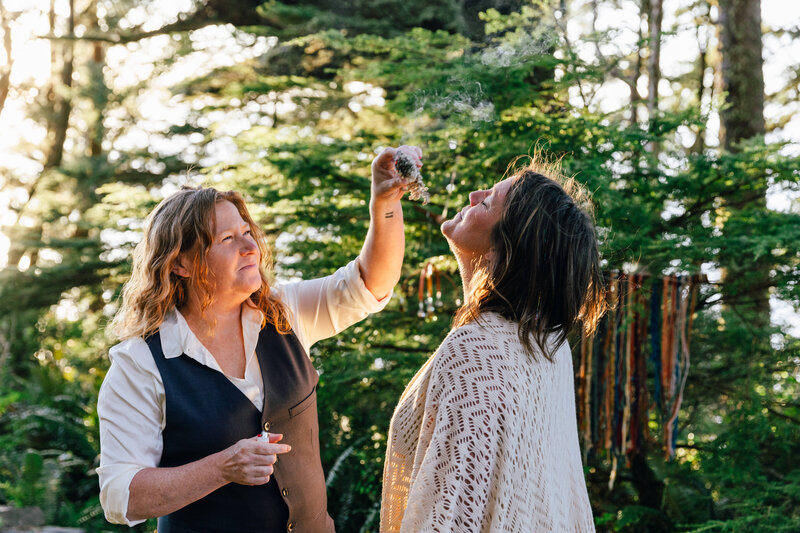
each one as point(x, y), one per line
point(483, 203)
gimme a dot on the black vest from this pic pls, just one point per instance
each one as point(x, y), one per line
point(206, 413)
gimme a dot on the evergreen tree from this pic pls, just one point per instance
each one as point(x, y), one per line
point(301, 122)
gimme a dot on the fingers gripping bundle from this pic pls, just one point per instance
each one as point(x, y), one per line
point(407, 169)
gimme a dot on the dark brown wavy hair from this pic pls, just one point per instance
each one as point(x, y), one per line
point(184, 223)
point(545, 270)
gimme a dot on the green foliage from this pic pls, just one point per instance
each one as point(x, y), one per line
point(474, 103)
point(751, 464)
point(28, 491)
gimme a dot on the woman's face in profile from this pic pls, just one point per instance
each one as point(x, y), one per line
point(469, 232)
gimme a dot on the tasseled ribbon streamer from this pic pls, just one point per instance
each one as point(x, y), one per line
point(655, 340)
point(612, 394)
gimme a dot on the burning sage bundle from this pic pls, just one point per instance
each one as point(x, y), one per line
point(406, 168)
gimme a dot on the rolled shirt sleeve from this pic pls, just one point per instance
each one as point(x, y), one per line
point(323, 307)
point(130, 409)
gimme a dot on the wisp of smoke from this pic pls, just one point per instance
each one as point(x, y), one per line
point(466, 99)
point(468, 102)
point(516, 51)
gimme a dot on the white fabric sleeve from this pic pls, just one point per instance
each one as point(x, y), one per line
point(461, 450)
point(321, 308)
point(131, 413)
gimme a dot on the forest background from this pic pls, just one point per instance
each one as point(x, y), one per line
point(680, 116)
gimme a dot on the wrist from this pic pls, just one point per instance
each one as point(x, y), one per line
point(218, 468)
point(379, 208)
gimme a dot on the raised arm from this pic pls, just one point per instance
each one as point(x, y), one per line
point(381, 257)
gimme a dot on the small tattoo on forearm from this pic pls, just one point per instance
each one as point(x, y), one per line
point(390, 214)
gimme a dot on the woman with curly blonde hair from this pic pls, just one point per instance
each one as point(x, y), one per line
point(484, 438)
point(175, 227)
point(212, 370)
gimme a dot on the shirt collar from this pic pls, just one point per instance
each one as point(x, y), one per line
point(177, 337)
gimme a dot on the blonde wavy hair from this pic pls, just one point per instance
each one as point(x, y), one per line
point(545, 274)
point(184, 223)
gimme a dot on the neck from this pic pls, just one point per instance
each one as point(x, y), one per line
point(218, 315)
point(467, 265)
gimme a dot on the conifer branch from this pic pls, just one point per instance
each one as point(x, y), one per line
point(196, 21)
point(192, 23)
point(781, 415)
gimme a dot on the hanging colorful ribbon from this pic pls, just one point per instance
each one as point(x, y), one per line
point(612, 389)
point(427, 304)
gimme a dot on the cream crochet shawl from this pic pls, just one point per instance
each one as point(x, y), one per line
point(485, 439)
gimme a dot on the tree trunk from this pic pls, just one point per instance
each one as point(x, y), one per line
point(655, 15)
point(746, 279)
point(62, 106)
point(648, 487)
point(742, 70)
point(59, 108)
point(5, 73)
point(702, 43)
point(636, 97)
point(85, 195)
point(97, 132)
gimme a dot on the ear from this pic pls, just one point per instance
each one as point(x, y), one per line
point(181, 267)
point(490, 256)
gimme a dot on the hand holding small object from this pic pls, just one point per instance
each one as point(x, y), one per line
point(407, 169)
point(388, 183)
point(251, 461)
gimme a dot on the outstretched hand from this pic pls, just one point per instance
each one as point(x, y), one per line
point(387, 185)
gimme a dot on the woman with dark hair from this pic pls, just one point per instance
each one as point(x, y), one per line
point(211, 354)
point(484, 438)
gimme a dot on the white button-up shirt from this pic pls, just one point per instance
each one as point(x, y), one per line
point(131, 404)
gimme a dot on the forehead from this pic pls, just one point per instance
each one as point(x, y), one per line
point(226, 216)
point(500, 189)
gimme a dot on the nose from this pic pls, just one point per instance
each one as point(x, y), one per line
point(249, 247)
point(476, 196)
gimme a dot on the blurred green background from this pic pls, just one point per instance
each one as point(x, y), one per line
point(656, 106)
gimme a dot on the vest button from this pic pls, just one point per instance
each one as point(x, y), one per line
point(290, 526)
point(285, 492)
point(266, 426)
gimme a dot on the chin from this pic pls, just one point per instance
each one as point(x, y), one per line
point(255, 286)
point(447, 227)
